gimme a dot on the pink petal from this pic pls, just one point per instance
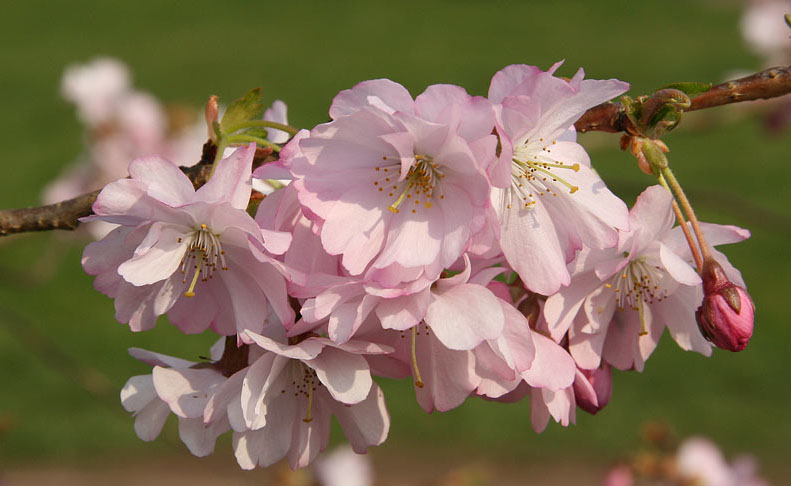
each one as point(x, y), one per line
point(561, 308)
point(217, 406)
point(156, 359)
point(163, 180)
point(401, 313)
point(305, 350)
point(677, 314)
point(200, 438)
point(552, 366)
point(186, 391)
point(680, 270)
point(346, 376)
point(137, 393)
point(531, 246)
point(380, 94)
point(463, 316)
point(150, 420)
point(516, 343)
point(366, 423)
point(166, 246)
point(448, 376)
point(231, 180)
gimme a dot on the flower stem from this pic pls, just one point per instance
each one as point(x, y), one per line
point(687, 207)
point(221, 144)
point(264, 124)
point(680, 218)
point(234, 139)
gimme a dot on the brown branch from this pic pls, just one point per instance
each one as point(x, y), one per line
point(65, 215)
point(607, 117)
point(62, 215)
point(771, 83)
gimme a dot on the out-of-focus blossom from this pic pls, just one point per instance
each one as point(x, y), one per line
point(619, 476)
point(343, 467)
point(700, 460)
point(766, 32)
point(95, 88)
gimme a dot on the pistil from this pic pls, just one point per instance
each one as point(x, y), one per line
point(418, 379)
point(203, 253)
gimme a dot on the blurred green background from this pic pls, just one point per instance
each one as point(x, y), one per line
point(58, 338)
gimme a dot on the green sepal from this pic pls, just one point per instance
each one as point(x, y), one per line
point(248, 107)
point(690, 88)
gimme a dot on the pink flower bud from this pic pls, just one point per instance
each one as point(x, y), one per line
point(212, 113)
point(595, 394)
point(726, 316)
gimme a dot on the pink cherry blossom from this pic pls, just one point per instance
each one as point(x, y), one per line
point(548, 200)
point(187, 253)
point(175, 386)
point(620, 300)
point(396, 181)
point(291, 391)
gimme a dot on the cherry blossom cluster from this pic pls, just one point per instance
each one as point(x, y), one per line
point(462, 242)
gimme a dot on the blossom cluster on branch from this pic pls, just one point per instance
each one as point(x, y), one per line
point(460, 241)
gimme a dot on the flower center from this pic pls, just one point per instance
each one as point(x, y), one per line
point(201, 258)
point(418, 187)
point(534, 173)
point(304, 383)
point(638, 282)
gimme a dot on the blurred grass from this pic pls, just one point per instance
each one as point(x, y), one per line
point(306, 52)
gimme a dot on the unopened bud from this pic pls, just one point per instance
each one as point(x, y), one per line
point(212, 113)
point(595, 394)
point(726, 316)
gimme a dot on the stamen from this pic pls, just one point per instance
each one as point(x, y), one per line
point(308, 417)
point(422, 179)
point(418, 379)
point(540, 167)
point(202, 255)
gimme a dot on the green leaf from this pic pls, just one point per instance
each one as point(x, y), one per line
point(690, 88)
point(246, 108)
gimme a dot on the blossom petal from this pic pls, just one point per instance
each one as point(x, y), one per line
point(160, 256)
point(200, 438)
point(381, 94)
point(531, 246)
point(231, 180)
point(346, 376)
point(366, 423)
point(552, 366)
point(163, 180)
point(463, 316)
